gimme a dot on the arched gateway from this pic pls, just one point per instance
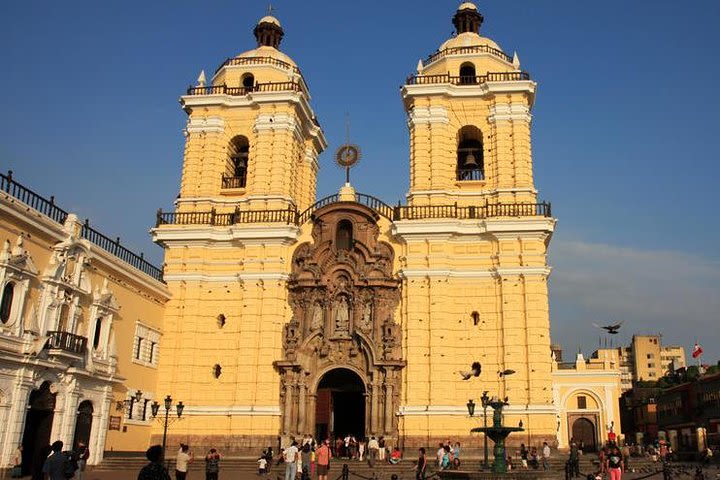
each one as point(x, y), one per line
point(342, 358)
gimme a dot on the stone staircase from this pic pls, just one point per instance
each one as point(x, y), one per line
point(246, 467)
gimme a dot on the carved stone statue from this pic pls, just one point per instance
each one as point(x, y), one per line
point(317, 318)
point(292, 336)
point(366, 319)
point(342, 315)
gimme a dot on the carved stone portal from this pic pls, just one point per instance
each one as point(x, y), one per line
point(343, 296)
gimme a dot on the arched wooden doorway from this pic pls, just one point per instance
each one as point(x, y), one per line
point(583, 431)
point(38, 426)
point(83, 424)
point(340, 405)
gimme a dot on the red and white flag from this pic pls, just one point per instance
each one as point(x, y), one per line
point(697, 350)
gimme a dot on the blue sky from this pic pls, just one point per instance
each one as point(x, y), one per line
point(625, 126)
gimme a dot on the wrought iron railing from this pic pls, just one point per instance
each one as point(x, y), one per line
point(66, 341)
point(43, 205)
point(467, 50)
point(258, 61)
point(234, 182)
point(48, 208)
point(399, 212)
point(444, 78)
point(240, 91)
point(124, 254)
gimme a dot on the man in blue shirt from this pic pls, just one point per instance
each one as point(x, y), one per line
point(54, 467)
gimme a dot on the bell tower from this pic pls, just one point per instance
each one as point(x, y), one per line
point(252, 138)
point(468, 110)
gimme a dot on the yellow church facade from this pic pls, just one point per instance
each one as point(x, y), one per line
point(277, 314)
point(290, 316)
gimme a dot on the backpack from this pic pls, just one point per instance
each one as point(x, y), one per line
point(70, 464)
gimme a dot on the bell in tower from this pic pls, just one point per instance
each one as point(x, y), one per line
point(252, 137)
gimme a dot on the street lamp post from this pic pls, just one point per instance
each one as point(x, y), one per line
point(167, 420)
point(485, 401)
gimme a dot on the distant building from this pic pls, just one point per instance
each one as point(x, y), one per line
point(585, 394)
point(646, 359)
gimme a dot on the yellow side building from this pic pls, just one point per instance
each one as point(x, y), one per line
point(80, 330)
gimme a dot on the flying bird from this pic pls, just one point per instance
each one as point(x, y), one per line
point(611, 329)
point(505, 373)
point(475, 370)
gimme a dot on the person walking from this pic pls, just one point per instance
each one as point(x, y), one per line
point(574, 460)
point(55, 467)
point(373, 451)
point(546, 456)
point(212, 465)
point(154, 470)
point(323, 460)
point(381, 448)
point(183, 459)
point(361, 449)
point(290, 457)
point(421, 466)
point(440, 454)
point(305, 455)
point(82, 453)
point(614, 463)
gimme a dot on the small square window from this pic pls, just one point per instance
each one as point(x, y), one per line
point(581, 402)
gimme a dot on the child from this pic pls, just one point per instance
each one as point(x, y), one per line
point(262, 466)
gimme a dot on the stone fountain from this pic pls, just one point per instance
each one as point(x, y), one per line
point(498, 433)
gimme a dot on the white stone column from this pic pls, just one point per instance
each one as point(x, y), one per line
point(15, 420)
point(98, 434)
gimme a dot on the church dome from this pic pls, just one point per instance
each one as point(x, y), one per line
point(469, 39)
point(265, 51)
point(268, 33)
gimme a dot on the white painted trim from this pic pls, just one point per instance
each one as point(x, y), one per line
point(256, 98)
point(464, 91)
point(490, 273)
point(205, 125)
point(462, 193)
point(279, 121)
point(510, 112)
point(247, 234)
point(240, 410)
point(455, 410)
point(515, 226)
point(239, 277)
point(428, 115)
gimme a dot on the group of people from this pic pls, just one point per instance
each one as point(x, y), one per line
point(155, 470)
point(306, 457)
point(531, 458)
point(53, 462)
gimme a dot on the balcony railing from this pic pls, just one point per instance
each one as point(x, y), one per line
point(258, 61)
point(43, 205)
point(467, 50)
point(233, 182)
point(240, 91)
point(66, 341)
point(48, 208)
point(400, 212)
point(446, 78)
